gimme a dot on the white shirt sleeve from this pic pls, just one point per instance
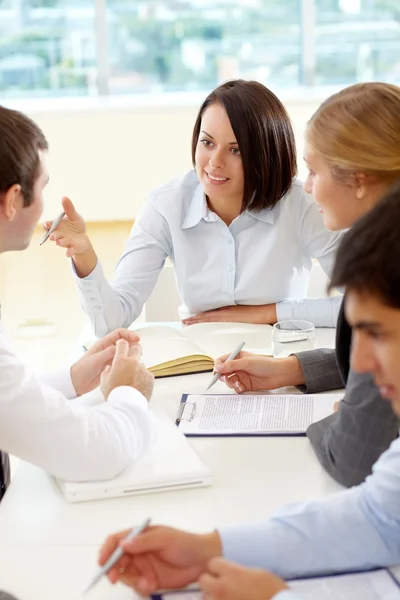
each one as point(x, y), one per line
point(60, 380)
point(118, 303)
point(317, 241)
point(323, 312)
point(39, 424)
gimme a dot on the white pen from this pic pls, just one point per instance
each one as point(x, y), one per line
point(232, 355)
point(117, 554)
point(53, 226)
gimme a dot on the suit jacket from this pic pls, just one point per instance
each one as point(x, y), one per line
point(351, 440)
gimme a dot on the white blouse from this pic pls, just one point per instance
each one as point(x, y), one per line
point(261, 258)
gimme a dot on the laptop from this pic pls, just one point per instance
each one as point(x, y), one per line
point(169, 464)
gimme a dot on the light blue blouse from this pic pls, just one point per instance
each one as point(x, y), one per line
point(261, 258)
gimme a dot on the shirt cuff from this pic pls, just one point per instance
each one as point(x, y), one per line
point(125, 393)
point(61, 381)
point(96, 274)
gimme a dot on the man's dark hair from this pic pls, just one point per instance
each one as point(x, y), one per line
point(368, 259)
point(265, 137)
point(20, 142)
point(6, 596)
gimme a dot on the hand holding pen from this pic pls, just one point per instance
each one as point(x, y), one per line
point(231, 356)
point(52, 228)
point(68, 231)
point(117, 554)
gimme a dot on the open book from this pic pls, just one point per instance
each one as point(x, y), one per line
point(181, 350)
point(372, 585)
point(254, 414)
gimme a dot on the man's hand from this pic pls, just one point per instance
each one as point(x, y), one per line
point(236, 314)
point(160, 557)
point(252, 372)
point(85, 373)
point(228, 580)
point(126, 369)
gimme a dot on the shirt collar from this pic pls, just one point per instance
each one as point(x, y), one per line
point(198, 209)
point(266, 215)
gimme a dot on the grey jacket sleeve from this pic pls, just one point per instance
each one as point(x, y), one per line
point(320, 370)
point(351, 440)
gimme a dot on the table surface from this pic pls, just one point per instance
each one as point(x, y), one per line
point(48, 548)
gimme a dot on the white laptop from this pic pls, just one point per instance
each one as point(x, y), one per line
point(170, 464)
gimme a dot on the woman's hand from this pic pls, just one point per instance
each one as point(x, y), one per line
point(71, 232)
point(71, 235)
point(264, 314)
point(253, 372)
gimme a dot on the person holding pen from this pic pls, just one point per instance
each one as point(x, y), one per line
point(238, 226)
point(350, 169)
point(352, 530)
point(37, 421)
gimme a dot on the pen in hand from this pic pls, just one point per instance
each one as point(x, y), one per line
point(117, 554)
point(53, 226)
point(232, 355)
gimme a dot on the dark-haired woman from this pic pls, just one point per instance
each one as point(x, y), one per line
point(239, 229)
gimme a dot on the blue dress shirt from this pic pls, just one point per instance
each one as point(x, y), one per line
point(261, 258)
point(353, 530)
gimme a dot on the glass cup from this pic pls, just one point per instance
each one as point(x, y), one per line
point(292, 336)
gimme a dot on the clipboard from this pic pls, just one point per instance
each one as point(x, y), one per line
point(189, 409)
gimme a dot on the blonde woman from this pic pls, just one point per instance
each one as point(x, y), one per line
point(352, 152)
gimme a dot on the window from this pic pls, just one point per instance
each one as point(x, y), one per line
point(91, 47)
point(357, 40)
point(194, 44)
point(47, 47)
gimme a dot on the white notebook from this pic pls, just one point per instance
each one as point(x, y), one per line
point(372, 585)
point(170, 464)
point(234, 414)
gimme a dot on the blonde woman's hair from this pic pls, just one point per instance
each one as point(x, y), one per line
point(358, 129)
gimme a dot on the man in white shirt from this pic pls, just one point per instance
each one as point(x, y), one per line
point(37, 422)
point(356, 529)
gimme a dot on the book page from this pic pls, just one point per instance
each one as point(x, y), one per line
point(377, 585)
point(231, 414)
point(165, 344)
point(216, 339)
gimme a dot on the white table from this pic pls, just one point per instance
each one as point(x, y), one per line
point(251, 478)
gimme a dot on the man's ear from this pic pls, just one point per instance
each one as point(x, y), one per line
point(11, 201)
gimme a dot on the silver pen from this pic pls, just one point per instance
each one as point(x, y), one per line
point(232, 355)
point(117, 554)
point(53, 226)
